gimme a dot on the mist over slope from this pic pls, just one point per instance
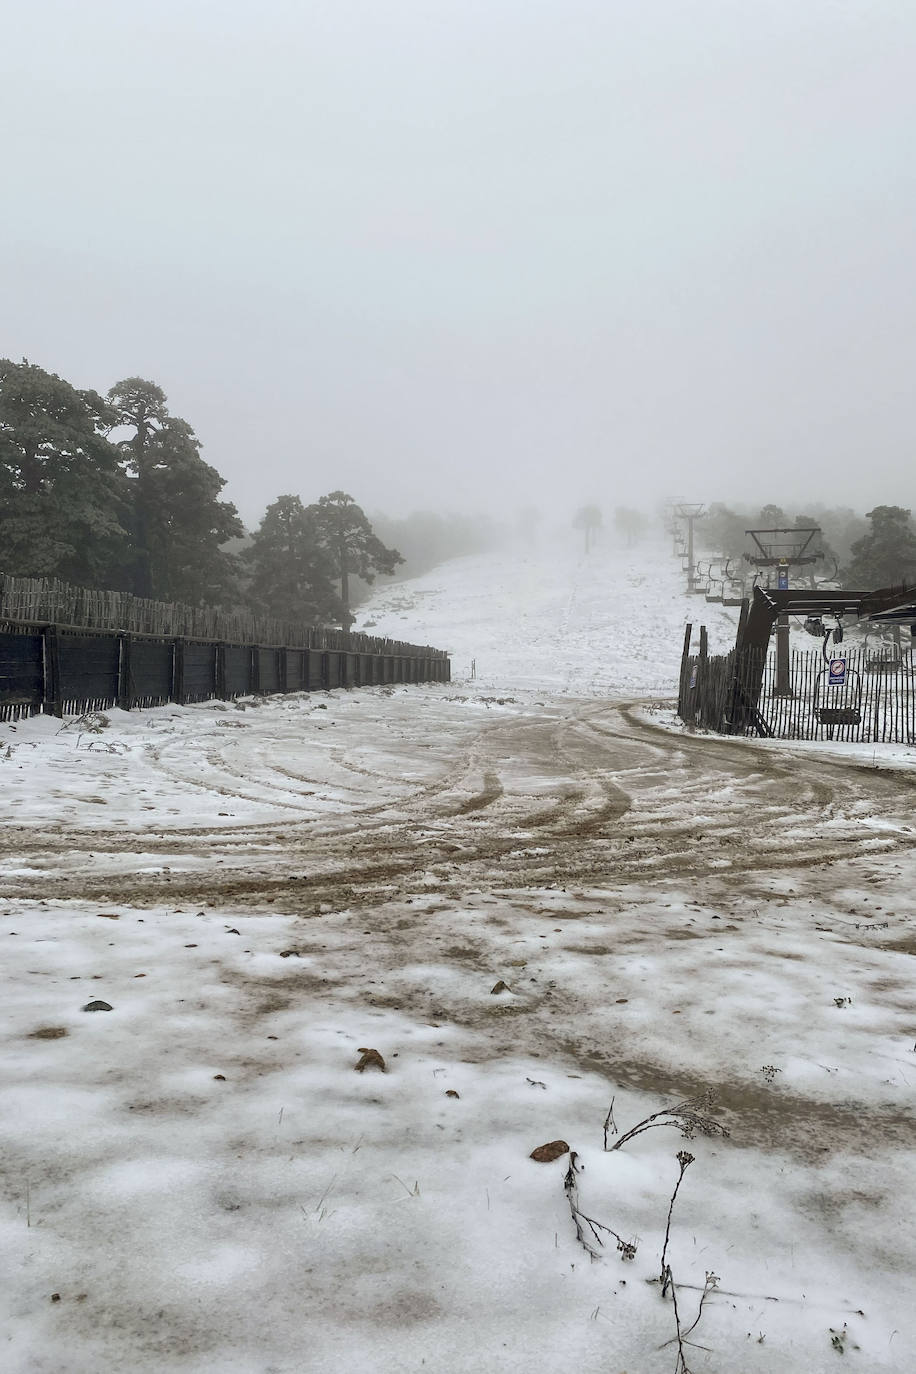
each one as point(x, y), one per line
point(550, 617)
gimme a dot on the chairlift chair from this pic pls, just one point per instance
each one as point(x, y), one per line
point(850, 712)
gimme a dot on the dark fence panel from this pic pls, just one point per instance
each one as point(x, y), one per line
point(237, 670)
point(21, 675)
point(88, 671)
point(297, 679)
point(199, 679)
point(268, 671)
point(65, 668)
point(317, 670)
point(149, 677)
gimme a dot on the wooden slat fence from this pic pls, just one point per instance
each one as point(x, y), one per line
point(876, 703)
point(46, 601)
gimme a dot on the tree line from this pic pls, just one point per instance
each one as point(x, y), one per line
point(113, 492)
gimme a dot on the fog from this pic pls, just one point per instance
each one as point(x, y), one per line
point(479, 253)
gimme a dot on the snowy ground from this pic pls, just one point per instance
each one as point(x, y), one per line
point(197, 1179)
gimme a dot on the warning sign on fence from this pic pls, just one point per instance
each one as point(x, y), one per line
point(836, 673)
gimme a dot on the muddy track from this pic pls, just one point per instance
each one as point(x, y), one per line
point(597, 795)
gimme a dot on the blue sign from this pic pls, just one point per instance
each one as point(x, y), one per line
point(836, 673)
point(693, 676)
point(782, 581)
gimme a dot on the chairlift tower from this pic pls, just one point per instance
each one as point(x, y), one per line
point(688, 511)
point(783, 549)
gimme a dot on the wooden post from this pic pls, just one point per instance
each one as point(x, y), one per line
point(783, 685)
point(52, 704)
point(700, 711)
point(125, 694)
point(682, 681)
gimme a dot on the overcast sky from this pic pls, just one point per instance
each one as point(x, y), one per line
point(468, 253)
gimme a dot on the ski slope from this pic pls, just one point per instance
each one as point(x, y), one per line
point(607, 623)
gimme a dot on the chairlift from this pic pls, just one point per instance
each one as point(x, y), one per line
point(735, 593)
point(886, 664)
point(830, 581)
point(847, 684)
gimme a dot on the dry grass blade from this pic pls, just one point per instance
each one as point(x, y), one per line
point(591, 1239)
point(692, 1117)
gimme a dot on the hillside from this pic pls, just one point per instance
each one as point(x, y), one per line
point(551, 618)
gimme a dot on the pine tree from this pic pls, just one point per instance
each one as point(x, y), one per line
point(723, 530)
point(178, 524)
point(63, 506)
point(631, 523)
point(886, 556)
point(772, 518)
point(291, 575)
point(588, 518)
point(352, 547)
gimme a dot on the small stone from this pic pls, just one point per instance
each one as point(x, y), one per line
point(98, 1005)
point(219, 1078)
point(450, 1092)
point(55, 1297)
point(290, 954)
point(369, 1059)
point(500, 987)
point(545, 1154)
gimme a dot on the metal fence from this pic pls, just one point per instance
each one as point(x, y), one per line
point(871, 698)
point(71, 669)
